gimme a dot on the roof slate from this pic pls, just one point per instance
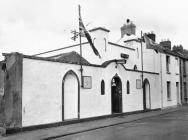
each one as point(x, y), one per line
point(72, 57)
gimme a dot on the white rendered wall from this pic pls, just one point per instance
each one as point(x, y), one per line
point(132, 101)
point(173, 77)
point(42, 91)
point(151, 60)
point(92, 103)
point(155, 90)
point(115, 51)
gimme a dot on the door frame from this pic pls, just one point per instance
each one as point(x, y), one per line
point(121, 102)
point(178, 93)
point(144, 95)
point(63, 91)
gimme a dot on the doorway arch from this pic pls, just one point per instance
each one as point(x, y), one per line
point(116, 94)
point(146, 95)
point(70, 96)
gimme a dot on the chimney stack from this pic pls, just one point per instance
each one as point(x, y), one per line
point(177, 48)
point(152, 36)
point(129, 28)
point(166, 44)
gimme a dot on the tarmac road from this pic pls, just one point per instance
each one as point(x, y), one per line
point(171, 126)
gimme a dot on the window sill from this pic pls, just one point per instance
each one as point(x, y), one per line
point(169, 100)
point(177, 74)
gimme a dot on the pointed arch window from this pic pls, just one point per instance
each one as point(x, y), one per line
point(128, 87)
point(102, 87)
point(105, 43)
point(135, 67)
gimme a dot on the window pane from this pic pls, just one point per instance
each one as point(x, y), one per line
point(168, 91)
point(128, 87)
point(102, 87)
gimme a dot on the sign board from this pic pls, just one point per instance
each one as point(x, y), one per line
point(87, 82)
point(138, 84)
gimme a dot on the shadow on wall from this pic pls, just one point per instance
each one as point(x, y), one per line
point(2, 101)
point(1, 111)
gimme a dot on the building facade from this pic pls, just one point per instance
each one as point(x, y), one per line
point(183, 72)
point(129, 77)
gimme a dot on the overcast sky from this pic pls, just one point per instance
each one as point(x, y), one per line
point(33, 26)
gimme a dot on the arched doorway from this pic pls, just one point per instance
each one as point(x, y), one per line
point(146, 95)
point(70, 96)
point(116, 94)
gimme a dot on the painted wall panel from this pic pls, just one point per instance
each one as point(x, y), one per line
point(42, 92)
point(70, 97)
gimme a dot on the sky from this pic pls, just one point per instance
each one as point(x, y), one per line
point(34, 26)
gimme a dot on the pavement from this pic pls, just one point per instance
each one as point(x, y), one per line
point(169, 126)
point(72, 129)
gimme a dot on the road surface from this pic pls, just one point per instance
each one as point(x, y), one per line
point(171, 126)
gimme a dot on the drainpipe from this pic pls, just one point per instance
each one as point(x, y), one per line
point(142, 75)
point(181, 81)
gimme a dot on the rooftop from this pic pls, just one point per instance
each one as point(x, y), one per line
point(72, 57)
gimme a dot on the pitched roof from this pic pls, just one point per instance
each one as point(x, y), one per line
point(183, 53)
point(162, 49)
point(72, 57)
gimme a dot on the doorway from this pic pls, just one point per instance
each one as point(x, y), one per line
point(177, 93)
point(70, 96)
point(146, 95)
point(116, 95)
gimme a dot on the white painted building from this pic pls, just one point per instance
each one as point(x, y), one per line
point(41, 90)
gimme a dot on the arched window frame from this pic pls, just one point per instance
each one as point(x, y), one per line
point(128, 87)
point(102, 87)
point(94, 41)
point(105, 44)
point(135, 67)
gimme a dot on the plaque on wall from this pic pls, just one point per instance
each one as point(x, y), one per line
point(87, 82)
point(138, 84)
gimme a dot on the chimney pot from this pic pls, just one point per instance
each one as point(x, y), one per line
point(128, 29)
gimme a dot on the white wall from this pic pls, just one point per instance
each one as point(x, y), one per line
point(155, 89)
point(92, 103)
point(42, 91)
point(173, 77)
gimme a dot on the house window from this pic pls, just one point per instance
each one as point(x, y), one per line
point(102, 87)
point(128, 87)
point(185, 90)
point(105, 44)
point(167, 63)
point(184, 67)
point(177, 62)
point(168, 90)
point(137, 53)
point(177, 65)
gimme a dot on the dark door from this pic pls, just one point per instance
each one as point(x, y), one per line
point(116, 89)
